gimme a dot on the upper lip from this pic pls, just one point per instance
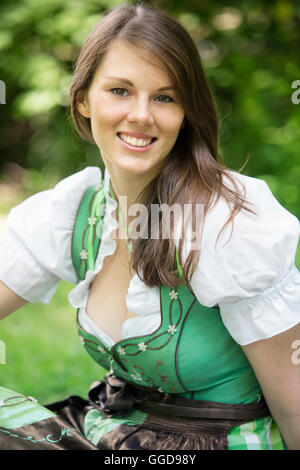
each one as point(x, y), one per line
point(138, 135)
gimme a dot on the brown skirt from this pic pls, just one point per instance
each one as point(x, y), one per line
point(172, 423)
point(65, 432)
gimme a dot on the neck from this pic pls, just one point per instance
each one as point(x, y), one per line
point(128, 185)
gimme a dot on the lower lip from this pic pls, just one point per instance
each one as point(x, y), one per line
point(135, 148)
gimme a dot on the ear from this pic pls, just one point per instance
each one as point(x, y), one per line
point(82, 103)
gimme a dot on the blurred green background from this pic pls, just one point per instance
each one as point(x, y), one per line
point(250, 50)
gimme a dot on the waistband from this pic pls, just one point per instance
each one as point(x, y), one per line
point(113, 395)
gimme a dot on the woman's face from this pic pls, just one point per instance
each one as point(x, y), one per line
point(134, 111)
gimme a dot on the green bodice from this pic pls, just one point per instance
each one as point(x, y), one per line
point(190, 354)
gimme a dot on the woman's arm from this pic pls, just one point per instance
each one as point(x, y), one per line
point(277, 367)
point(9, 301)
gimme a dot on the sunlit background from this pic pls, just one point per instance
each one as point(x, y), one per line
point(250, 50)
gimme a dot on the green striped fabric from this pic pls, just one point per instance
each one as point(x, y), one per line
point(260, 434)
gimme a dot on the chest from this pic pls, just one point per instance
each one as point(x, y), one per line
point(106, 305)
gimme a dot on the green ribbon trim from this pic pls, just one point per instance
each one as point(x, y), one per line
point(180, 272)
point(64, 431)
point(84, 237)
point(91, 258)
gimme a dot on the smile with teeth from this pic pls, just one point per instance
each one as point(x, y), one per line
point(134, 141)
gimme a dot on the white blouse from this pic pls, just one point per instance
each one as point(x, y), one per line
point(252, 278)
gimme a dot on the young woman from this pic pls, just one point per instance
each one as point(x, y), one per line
point(198, 341)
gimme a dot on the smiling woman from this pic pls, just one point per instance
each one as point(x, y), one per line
point(136, 119)
point(194, 339)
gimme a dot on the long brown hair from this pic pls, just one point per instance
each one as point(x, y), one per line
point(193, 171)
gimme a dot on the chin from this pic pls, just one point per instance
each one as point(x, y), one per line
point(137, 167)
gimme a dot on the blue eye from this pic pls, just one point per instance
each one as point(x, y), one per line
point(165, 99)
point(118, 91)
point(122, 92)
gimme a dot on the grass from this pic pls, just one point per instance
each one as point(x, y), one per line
point(44, 357)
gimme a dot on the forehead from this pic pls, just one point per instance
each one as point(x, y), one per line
point(123, 58)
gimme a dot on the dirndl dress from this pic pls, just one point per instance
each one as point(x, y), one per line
point(150, 398)
point(185, 386)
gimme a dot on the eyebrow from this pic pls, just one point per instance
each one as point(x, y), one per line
point(128, 82)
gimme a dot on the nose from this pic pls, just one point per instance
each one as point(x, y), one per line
point(140, 112)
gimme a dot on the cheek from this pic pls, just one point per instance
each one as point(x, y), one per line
point(103, 112)
point(170, 122)
point(174, 128)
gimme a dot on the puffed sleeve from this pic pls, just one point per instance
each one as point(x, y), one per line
point(253, 277)
point(35, 251)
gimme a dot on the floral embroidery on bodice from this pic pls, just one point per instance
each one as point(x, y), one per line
point(149, 360)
